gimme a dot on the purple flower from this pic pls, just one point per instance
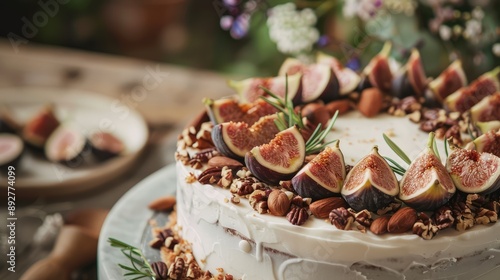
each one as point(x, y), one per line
point(240, 26)
point(354, 63)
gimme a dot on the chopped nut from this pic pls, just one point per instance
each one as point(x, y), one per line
point(193, 271)
point(415, 116)
point(226, 177)
point(156, 243)
point(444, 217)
point(463, 216)
point(485, 216)
point(364, 218)
point(341, 218)
point(392, 207)
point(235, 199)
point(190, 178)
point(425, 227)
point(176, 269)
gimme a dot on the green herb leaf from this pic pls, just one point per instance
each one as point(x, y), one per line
point(396, 149)
point(141, 267)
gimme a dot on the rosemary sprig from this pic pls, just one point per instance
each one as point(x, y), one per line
point(288, 117)
point(140, 266)
point(398, 169)
point(396, 149)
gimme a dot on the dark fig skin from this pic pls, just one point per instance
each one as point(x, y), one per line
point(364, 84)
point(104, 145)
point(369, 198)
point(220, 145)
point(401, 86)
point(332, 90)
point(305, 186)
point(265, 174)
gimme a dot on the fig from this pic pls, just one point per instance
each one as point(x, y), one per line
point(378, 70)
point(426, 184)
point(38, 129)
point(416, 73)
point(249, 90)
point(472, 171)
point(347, 78)
point(488, 109)
point(105, 145)
point(291, 66)
point(235, 139)
point(323, 176)
point(449, 81)
point(488, 126)
point(11, 150)
point(7, 123)
point(463, 99)
point(410, 79)
point(278, 160)
point(370, 184)
point(489, 142)
point(67, 145)
point(229, 109)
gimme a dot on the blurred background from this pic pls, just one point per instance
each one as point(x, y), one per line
point(232, 37)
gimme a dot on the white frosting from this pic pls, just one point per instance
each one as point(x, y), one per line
point(261, 246)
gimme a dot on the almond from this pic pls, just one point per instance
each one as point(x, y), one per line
point(164, 203)
point(321, 208)
point(278, 203)
point(343, 106)
point(220, 161)
point(402, 221)
point(379, 225)
point(370, 102)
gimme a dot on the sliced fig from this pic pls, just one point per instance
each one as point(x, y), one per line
point(323, 176)
point(416, 73)
point(40, 127)
point(466, 97)
point(278, 160)
point(401, 86)
point(105, 145)
point(11, 150)
point(472, 171)
point(370, 184)
point(319, 83)
point(487, 143)
point(488, 126)
point(7, 122)
point(347, 78)
point(229, 109)
point(249, 90)
point(378, 70)
point(235, 139)
point(426, 185)
point(291, 66)
point(449, 81)
point(67, 145)
point(487, 109)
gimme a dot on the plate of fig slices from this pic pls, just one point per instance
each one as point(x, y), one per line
point(58, 142)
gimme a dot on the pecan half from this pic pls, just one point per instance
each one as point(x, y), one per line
point(364, 218)
point(160, 270)
point(210, 175)
point(176, 269)
point(485, 216)
point(425, 227)
point(297, 215)
point(444, 217)
point(464, 219)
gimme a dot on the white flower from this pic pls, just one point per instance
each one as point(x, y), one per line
point(473, 28)
point(293, 31)
point(365, 9)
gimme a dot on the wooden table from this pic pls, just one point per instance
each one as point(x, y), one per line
point(167, 96)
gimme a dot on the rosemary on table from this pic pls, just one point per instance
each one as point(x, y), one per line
point(288, 117)
point(140, 267)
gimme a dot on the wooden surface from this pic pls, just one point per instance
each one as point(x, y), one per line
point(167, 96)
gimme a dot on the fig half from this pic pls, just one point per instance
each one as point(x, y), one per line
point(67, 145)
point(449, 81)
point(229, 109)
point(249, 90)
point(487, 109)
point(378, 70)
point(426, 184)
point(278, 160)
point(466, 97)
point(7, 123)
point(489, 142)
point(105, 145)
point(347, 78)
point(410, 79)
point(11, 150)
point(40, 127)
point(472, 171)
point(235, 139)
point(323, 176)
point(371, 184)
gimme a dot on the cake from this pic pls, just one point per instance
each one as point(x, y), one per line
point(253, 229)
